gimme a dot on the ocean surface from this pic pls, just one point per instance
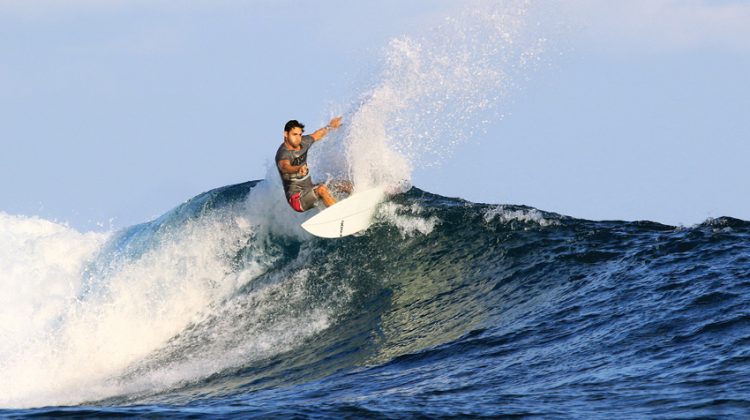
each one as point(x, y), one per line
point(224, 307)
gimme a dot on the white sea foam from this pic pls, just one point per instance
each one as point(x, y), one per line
point(504, 215)
point(66, 332)
point(407, 219)
point(40, 266)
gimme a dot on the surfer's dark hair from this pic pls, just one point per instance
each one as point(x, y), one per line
point(292, 124)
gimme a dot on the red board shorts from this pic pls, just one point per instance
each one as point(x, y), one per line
point(304, 200)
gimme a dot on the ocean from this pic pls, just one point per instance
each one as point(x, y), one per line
point(225, 308)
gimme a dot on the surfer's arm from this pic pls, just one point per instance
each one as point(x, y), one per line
point(320, 133)
point(286, 167)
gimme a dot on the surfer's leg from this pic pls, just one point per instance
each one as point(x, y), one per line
point(322, 191)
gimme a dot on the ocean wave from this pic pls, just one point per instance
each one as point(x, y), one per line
point(225, 298)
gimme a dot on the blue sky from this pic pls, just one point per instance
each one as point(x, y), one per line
point(114, 112)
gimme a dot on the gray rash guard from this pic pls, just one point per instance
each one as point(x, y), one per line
point(293, 183)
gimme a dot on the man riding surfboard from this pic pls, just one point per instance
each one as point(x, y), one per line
point(291, 161)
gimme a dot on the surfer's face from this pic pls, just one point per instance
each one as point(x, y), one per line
point(293, 136)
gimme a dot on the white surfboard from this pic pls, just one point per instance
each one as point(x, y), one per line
point(347, 216)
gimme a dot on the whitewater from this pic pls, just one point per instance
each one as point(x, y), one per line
point(225, 307)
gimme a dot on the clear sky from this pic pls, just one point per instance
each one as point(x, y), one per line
point(111, 113)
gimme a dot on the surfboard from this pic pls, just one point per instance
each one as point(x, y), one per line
point(348, 216)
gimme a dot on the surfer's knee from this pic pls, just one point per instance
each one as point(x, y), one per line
point(322, 192)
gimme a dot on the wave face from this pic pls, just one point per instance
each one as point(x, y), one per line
point(443, 307)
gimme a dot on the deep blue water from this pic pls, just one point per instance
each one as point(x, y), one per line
point(491, 311)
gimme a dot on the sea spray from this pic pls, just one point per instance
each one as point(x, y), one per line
point(438, 88)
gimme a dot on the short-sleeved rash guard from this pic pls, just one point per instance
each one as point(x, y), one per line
point(293, 183)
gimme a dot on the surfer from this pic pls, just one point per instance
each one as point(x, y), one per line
point(291, 161)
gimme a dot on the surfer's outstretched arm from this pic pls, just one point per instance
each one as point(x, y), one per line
point(320, 133)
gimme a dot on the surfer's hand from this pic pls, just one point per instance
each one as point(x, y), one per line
point(335, 123)
point(303, 171)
